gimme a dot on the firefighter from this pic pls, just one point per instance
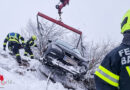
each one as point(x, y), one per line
point(63, 4)
point(28, 45)
point(14, 44)
point(114, 71)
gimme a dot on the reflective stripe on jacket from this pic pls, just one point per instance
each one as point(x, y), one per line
point(30, 43)
point(114, 71)
point(13, 37)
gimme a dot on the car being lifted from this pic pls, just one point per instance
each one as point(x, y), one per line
point(61, 55)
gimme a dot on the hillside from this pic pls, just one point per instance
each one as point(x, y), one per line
point(21, 77)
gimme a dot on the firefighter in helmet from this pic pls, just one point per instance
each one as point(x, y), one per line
point(28, 46)
point(114, 71)
point(14, 44)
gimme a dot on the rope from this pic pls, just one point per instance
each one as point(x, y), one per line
point(50, 74)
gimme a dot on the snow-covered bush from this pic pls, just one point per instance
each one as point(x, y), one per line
point(95, 54)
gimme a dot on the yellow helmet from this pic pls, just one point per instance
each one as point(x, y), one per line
point(125, 25)
point(34, 37)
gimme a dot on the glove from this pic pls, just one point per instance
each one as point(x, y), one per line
point(23, 45)
point(4, 49)
point(35, 46)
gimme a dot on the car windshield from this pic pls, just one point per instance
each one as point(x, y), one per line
point(67, 45)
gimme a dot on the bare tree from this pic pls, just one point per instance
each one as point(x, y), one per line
point(44, 33)
point(95, 54)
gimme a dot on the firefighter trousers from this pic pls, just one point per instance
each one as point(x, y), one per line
point(28, 51)
point(14, 48)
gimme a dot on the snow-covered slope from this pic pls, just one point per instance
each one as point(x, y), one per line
point(23, 78)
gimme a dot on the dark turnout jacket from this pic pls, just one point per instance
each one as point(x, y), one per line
point(30, 43)
point(13, 37)
point(114, 71)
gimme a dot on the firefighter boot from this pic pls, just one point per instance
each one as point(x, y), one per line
point(32, 57)
point(19, 60)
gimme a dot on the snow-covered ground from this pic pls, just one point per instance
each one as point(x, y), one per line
point(22, 78)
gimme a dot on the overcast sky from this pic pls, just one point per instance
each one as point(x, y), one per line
point(98, 19)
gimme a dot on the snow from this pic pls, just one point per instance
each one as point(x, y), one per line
point(18, 78)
